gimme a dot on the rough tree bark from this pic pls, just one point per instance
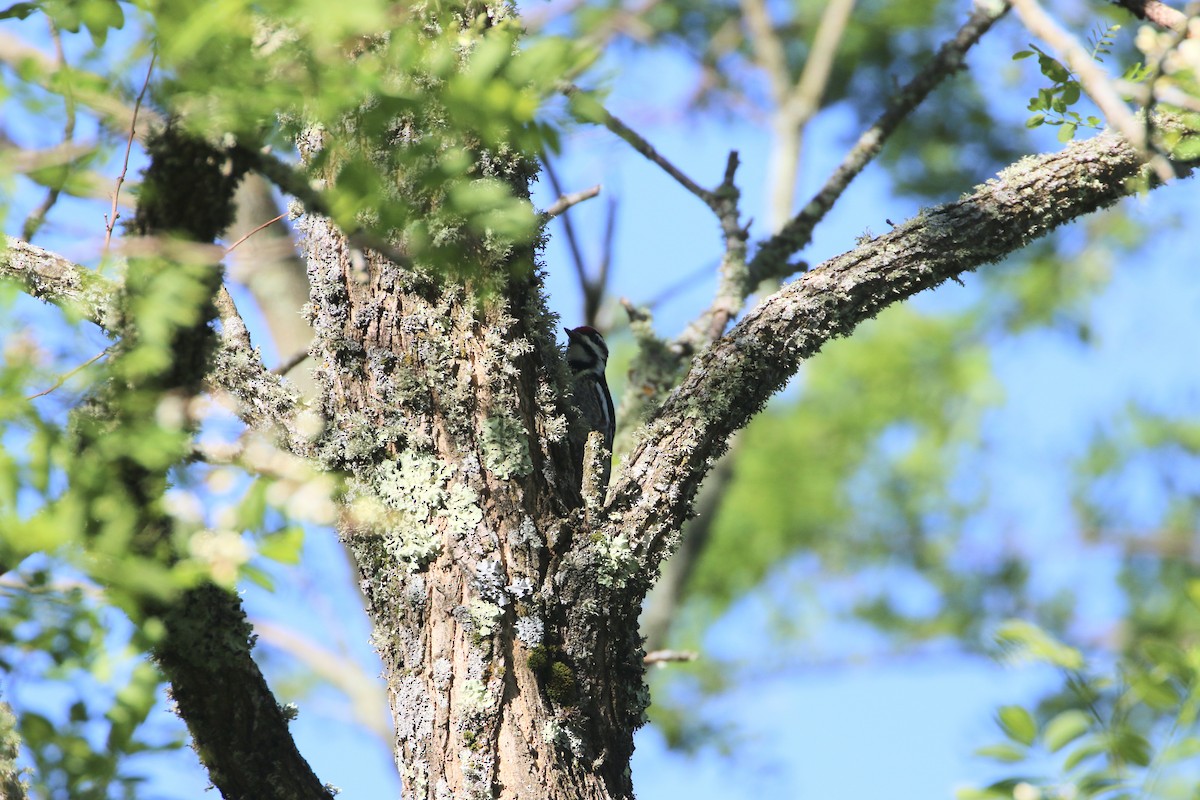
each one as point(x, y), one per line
point(504, 604)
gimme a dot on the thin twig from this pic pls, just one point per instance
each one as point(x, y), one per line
point(290, 363)
point(669, 656)
point(111, 219)
point(771, 259)
point(608, 247)
point(569, 230)
point(639, 143)
point(565, 201)
point(266, 224)
point(68, 375)
point(1094, 81)
point(37, 217)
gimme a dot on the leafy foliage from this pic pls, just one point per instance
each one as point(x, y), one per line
point(1094, 737)
point(407, 137)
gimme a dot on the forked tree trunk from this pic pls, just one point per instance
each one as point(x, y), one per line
point(512, 659)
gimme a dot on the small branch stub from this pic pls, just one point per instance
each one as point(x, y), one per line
point(597, 464)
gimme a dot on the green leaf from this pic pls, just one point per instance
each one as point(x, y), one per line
point(1067, 132)
point(1134, 748)
point(1017, 724)
point(1035, 121)
point(1089, 747)
point(19, 10)
point(1006, 752)
point(1053, 69)
point(285, 546)
point(1188, 149)
point(1022, 54)
point(1065, 728)
point(1024, 639)
point(973, 793)
point(252, 510)
point(257, 576)
point(99, 16)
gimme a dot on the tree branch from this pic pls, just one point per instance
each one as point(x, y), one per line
point(1160, 14)
point(733, 378)
point(772, 258)
point(50, 277)
point(114, 114)
point(565, 201)
point(266, 401)
point(810, 87)
point(768, 50)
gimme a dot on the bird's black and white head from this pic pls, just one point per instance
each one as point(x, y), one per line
point(586, 350)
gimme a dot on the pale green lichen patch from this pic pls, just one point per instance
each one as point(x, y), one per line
point(473, 698)
point(484, 616)
point(414, 489)
point(554, 424)
point(506, 447)
point(412, 546)
point(413, 484)
point(462, 511)
point(617, 565)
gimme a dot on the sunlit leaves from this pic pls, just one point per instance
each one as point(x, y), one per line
point(1017, 724)
point(1100, 733)
point(1065, 728)
point(1021, 640)
point(1052, 105)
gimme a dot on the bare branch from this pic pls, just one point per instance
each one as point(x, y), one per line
point(734, 286)
point(771, 259)
point(806, 97)
point(565, 201)
point(661, 657)
point(266, 224)
point(732, 379)
point(768, 50)
point(267, 402)
point(640, 144)
point(111, 219)
point(66, 376)
point(37, 217)
point(290, 363)
point(1160, 14)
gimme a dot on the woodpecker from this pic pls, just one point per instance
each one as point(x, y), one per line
point(587, 355)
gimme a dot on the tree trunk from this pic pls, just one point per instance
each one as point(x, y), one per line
point(511, 654)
